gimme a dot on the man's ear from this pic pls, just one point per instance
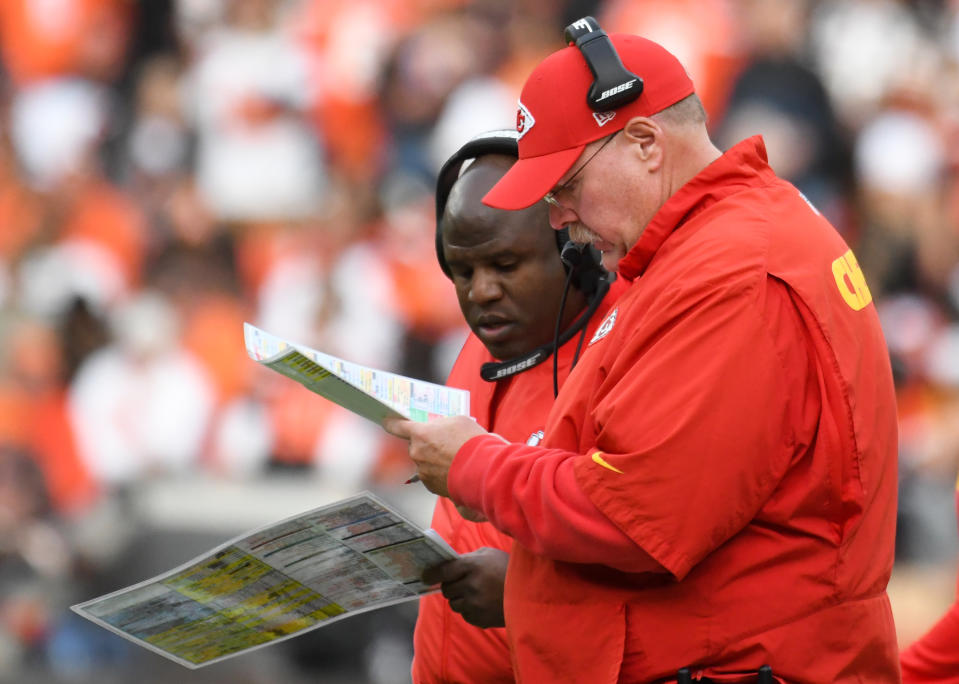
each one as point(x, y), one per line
point(647, 136)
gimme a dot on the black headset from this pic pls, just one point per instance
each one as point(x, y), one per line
point(613, 85)
point(581, 262)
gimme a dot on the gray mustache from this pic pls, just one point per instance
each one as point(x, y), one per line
point(580, 233)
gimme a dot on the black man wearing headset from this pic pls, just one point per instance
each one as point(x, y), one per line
point(531, 300)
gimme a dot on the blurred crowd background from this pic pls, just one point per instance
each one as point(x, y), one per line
point(172, 168)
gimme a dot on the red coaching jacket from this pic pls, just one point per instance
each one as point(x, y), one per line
point(719, 487)
point(935, 657)
point(446, 647)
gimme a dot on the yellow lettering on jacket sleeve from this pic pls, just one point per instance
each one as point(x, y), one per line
point(851, 282)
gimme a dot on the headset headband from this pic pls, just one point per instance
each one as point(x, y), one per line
point(613, 84)
point(493, 142)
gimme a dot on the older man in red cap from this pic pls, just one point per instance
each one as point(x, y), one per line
point(715, 495)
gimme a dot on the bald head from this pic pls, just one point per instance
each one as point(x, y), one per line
point(467, 221)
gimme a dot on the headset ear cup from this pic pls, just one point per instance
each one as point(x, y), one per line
point(572, 255)
point(590, 271)
point(585, 261)
point(613, 85)
point(444, 185)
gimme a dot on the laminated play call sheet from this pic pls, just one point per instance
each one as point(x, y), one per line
point(371, 393)
point(290, 577)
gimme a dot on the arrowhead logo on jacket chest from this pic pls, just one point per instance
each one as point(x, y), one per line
point(605, 327)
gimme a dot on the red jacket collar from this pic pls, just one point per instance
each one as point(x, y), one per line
point(743, 166)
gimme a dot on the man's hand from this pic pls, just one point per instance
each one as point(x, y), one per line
point(433, 445)
point(473, 585)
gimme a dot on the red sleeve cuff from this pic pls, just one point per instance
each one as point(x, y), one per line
point(470, 466)
point(531, 494)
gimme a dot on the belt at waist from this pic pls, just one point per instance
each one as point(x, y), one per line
point(764, 675)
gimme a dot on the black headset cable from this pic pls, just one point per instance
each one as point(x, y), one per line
point(559, 322)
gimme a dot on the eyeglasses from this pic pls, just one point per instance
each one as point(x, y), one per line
point(550, 197)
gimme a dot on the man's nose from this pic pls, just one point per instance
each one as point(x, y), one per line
point(485, 286)
point(560, 216)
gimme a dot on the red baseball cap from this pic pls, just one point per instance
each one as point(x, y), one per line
point(555, 123)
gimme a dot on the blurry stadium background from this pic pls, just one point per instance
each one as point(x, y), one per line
point(171, 168)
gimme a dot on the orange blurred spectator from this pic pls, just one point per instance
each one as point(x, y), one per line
point(101, 214)
point(422, 295)
point(33, 404)
point(347, 114)
point(258, 247)
point(701, 33)
point(256, 156)
point(213, 333)
point(20, 209)
point(299, 419)
point(50, 38)
point(72, 489)
point(309, 432)
point(142, 405)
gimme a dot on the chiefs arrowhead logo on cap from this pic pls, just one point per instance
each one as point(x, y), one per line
point(524, 120)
